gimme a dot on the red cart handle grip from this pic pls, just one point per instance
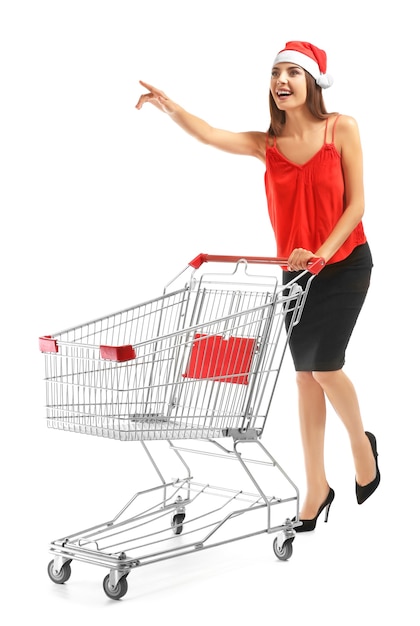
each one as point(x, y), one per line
point(315, 264)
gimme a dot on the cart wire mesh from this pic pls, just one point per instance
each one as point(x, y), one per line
point(198, 362)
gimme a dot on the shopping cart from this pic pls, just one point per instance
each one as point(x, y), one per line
point(199, 363)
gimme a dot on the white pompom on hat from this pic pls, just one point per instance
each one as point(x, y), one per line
point(310, 58)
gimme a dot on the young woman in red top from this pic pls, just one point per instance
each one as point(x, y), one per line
point(315, 196)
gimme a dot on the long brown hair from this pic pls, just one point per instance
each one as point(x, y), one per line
point(314, 101)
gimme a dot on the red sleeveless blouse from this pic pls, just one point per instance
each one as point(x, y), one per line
point(306, 201)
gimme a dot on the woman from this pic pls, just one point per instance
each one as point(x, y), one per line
point(315, 196)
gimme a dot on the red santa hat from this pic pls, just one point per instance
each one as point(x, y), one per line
point(308, 56)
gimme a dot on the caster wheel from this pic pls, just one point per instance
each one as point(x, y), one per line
point(118, 591)
point(176, 523)
point(62, 575)
point(285, 551)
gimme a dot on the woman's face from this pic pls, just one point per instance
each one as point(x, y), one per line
point(288, 86)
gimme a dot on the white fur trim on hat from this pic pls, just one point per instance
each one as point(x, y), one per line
point(324, 81)
point(308, 64)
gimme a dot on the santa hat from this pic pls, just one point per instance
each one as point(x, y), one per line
point(308, 56)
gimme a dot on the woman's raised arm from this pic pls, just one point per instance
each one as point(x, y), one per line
point(251, 143)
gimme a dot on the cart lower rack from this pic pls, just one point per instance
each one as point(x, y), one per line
point(201, 363)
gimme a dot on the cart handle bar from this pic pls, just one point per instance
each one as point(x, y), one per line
point(315, 264)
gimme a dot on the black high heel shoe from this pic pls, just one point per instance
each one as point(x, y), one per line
point(309, 524)
point(365, 491)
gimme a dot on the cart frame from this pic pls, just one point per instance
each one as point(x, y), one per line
point(87, 396)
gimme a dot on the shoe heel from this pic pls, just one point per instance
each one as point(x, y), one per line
point(327, 512)
point(309, 524)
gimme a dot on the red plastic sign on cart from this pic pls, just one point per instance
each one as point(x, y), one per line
point(226, 360)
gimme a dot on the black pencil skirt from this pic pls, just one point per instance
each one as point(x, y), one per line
point(319, 341)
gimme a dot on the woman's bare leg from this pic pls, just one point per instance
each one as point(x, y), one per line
point(312, 415)
point(341, 393)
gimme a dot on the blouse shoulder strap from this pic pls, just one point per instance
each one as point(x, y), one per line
point(334, 125)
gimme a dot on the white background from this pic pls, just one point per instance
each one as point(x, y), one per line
point(101, 205)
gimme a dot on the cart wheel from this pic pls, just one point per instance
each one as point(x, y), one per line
point(176, 523)
point(285, 551)
point(62, 575)
point(118, 591)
